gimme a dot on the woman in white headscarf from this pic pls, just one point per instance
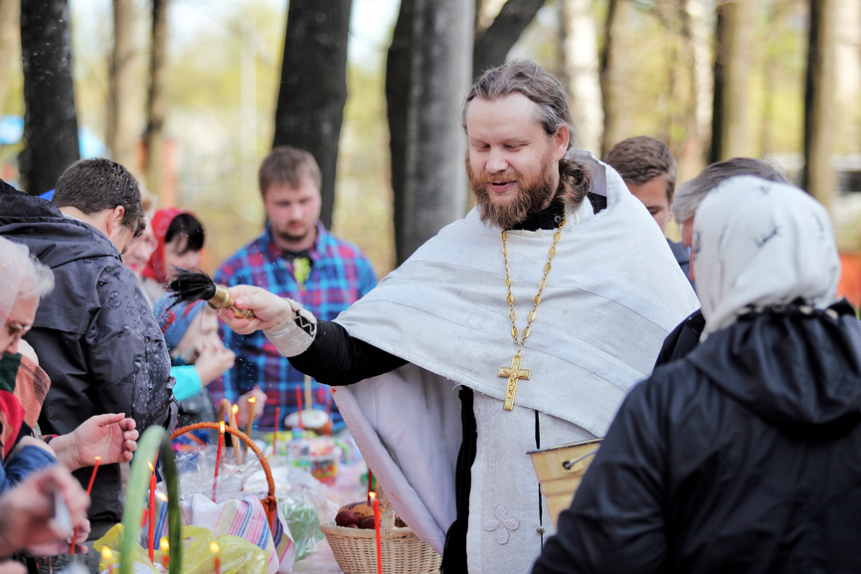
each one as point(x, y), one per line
point(742, 457)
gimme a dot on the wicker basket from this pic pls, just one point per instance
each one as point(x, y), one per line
point(269, 502)
point(403, 552)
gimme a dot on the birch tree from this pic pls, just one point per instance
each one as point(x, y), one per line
point(580, 61)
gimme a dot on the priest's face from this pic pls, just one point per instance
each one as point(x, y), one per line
point(512, 162)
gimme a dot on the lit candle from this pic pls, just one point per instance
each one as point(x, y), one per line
point(89, 490)
point(165, 555)
point(370, 484)
point(152, 514)
point(251, 402)
point(218, 460)
point(216, 560)
point(108, 557)
point(299, 408)
point(231, 421)
point(275, 433)
point(376, 504)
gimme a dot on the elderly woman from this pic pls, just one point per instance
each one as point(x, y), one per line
point(743, 456)
point(22, 282)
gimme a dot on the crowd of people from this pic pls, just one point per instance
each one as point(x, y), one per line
point(721, 372)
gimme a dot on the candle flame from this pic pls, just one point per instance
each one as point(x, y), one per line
point(252, 400)
point(163, 545)
point(107, 554)
point(221, 428)
point(235, 409)
point(98, 458)
point(161, 496)
point(151, 467)
point(373, 495)
point(213, 547)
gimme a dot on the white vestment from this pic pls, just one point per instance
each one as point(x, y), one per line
point(614, 292)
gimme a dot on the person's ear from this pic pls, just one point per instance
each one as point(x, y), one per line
point(115, 218)
point(560, 141)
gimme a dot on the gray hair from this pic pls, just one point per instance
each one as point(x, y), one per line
point(38, 279)
point(691, 194)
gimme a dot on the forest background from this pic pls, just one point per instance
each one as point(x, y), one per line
point(632, 67)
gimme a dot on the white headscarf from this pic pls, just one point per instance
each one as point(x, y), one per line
point(758, 243)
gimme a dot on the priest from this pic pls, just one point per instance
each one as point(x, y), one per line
point(521, 326)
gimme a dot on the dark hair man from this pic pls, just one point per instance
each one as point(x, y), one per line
point(686, 336)
point(650, 172)
point(95, 333)
point(519, 327)
point(298, 258)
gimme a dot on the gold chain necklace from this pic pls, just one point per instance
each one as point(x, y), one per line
point(515, 373)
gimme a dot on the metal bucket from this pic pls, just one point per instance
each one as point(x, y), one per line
point(559, 470)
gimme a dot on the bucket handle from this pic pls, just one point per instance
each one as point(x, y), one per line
point(569, 463)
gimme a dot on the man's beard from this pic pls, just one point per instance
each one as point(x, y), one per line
point(532, 196)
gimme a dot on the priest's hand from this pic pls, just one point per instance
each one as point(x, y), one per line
point(269, 309)
point(284, 322)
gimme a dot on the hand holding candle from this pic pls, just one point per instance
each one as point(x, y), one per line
point(89, 490)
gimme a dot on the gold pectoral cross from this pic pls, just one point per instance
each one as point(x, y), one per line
point(513, 373)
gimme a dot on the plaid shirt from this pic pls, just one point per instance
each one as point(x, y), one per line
point(340, 274)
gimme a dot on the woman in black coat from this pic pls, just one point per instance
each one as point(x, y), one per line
point(745, 456)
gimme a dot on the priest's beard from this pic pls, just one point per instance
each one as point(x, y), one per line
point(533, 194)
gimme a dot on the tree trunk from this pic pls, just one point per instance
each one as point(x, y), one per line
point(398, 81)
point(731, 70)
point(698, 111)
point(157, 104)
point(580, 57)
point(10, 26)
point(492, 46)
point(613, 74)
point(122, 136)
point(50, 120)
point(818, 175)
point(435, 190)
point(313, 91)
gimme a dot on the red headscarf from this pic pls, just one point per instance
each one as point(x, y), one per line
point(160, 222)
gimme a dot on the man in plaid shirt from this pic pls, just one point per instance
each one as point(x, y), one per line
point(295, 257)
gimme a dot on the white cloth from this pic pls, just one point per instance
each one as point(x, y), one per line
point(758, 243)
point(614, 292)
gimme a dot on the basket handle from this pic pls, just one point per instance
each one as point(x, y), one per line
point(269, 503)
point(569, 463)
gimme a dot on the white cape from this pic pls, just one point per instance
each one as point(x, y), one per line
point(614, 292)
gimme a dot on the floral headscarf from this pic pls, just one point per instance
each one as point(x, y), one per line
point(160, 222)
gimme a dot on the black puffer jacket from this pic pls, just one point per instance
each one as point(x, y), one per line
point(743, 457)
point(95, 335)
